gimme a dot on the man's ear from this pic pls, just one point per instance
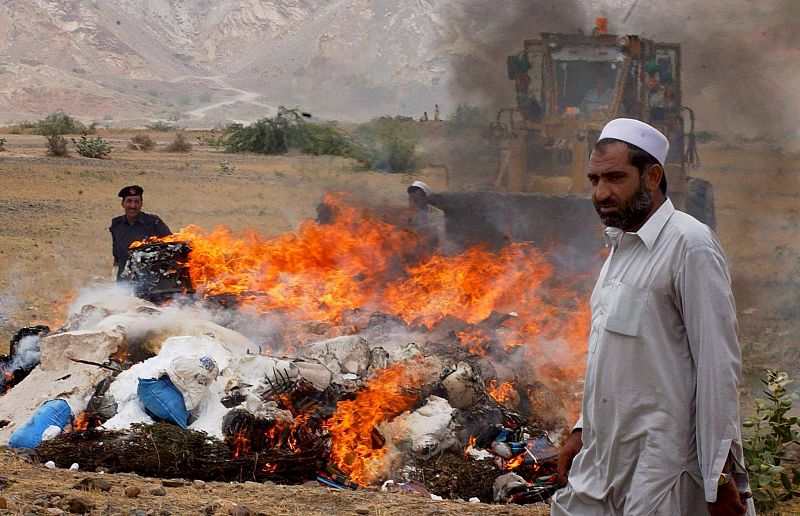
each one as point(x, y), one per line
point(653, 177)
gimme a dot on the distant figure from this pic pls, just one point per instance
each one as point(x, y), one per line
point(424, 117)
point(436, 112)
point(428, 220)
point(325, 215)
point(133, 226)
point(600, 97)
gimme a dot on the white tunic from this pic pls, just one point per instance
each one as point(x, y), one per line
point(661, 401)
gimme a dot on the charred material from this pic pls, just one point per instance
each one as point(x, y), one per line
point(158, 271)
point(23, 356)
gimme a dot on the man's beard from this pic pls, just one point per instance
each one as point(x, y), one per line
point(631, 213)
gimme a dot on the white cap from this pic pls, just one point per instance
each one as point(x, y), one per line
point(644, 136)
point(422, 186)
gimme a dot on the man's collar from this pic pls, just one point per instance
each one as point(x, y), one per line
point(649, 232)
point(137, 220)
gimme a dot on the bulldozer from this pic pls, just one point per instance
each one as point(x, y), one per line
point(567, 87)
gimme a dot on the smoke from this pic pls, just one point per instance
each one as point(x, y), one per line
point(481, 33)
point(26, 355)
point(740, 59)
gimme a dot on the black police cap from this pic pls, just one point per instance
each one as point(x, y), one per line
point(131, 190)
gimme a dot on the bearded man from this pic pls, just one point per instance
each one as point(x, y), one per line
point(659, 433)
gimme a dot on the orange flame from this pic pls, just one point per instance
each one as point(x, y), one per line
point(9, 378)
point(351, 428)
point(515, 462)
point(470, 446)
point(323, 272)
point(241, 444)
point(503, 393)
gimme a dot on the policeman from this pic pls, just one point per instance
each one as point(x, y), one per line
point(134, 225)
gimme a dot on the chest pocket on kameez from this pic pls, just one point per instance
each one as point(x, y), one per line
point(625, 307)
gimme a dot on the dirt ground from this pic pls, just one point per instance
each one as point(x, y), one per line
point(32, 487)
point(54, 240)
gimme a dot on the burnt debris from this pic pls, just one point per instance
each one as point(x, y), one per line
point(23, 356)
point(158, 271)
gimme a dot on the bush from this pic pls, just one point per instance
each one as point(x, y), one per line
point(21, 127)
point(393, 144)
point(95, 147)
point(266, 135)
point(56, 145)
point(218, 137)
point(226, 168)
point(329, 140)
point(142, 142)
point(287, 130)
point(774, 477)
point(2, 144)
point(61, 123)
point(179, 144)
point(161, 126)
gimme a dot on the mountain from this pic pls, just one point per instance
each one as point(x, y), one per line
point(201, 62)
point(204, 61)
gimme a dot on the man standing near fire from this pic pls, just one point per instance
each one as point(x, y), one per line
point(428, 220)
point(659, 433)
point(132, 226)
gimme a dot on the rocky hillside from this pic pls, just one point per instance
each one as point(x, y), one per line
point(205, 61)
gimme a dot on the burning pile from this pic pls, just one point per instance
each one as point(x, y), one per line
point(347, 352)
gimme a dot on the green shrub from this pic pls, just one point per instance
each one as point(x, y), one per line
point(392, 143)
point(287, 130)
point(218, 137)
point(61, 123)
point(226, 168)
point(266, 135)
point(142, 142)
point(56, 145)
point(328, 140)
point(95, 147)
point(161, 126)
point(179, 144)
point(774, 477)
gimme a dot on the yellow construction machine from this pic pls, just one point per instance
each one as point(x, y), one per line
point(567, 87)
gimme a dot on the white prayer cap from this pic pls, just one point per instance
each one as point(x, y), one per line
point(644, 136)
point(422, 186)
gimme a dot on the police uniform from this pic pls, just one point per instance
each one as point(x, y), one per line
point(124, 234)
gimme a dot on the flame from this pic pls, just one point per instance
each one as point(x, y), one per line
point(351, 428)
point(9, 375)
point(503, 393)
point(84, 421)
point(360, 262)
point(241, 444)
point(515, 462)
point(470, 446)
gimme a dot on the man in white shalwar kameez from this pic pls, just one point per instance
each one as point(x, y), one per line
point(659, 433)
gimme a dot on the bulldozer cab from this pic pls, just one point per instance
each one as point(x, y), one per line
point(567, 87)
